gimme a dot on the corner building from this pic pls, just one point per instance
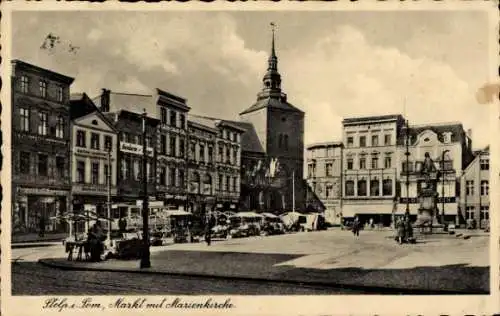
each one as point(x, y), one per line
point(41, 181)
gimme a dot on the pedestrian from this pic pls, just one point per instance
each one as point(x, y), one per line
point(122, 224)
point(95, 240)
point(209, 222)
point(408, 229)
point(42, 226)
point(400, 229)
point(371, 223)
point(356, 226)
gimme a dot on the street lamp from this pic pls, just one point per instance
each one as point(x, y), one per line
point(108, 176)
point(407, 154)
point(442, 187)
point(145, 260)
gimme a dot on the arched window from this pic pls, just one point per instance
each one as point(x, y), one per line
point(362, 187)
point(349, 188)
point(374, 187)
point(387, 187)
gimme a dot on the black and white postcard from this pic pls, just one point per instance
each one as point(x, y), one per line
point(250, 158)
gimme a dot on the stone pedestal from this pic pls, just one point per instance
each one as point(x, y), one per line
point(426, 212)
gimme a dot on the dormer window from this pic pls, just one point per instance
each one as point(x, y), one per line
point(447, 137)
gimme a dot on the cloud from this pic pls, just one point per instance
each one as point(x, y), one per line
point(344, 75)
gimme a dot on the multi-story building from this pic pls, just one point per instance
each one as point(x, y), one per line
point(171, 149)
point(214, 160)
point(324, 177)
point(93, 157)
point(474, 201)
point(450, 148)
point(273, 175)
point(40, 148)
point(370, 160)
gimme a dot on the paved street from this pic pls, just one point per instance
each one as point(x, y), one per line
point(328, 259)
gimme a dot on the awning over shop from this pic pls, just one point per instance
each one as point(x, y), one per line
point(351, 210)
point(449, 208)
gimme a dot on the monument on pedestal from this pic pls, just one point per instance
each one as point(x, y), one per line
point(428, 178)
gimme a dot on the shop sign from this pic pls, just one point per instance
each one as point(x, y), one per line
point(91, 153)
point(41, 191)
point(151, 203)
point(135, 149)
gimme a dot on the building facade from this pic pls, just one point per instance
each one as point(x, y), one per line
point(172, 143)
point(450, 148)
point(324, 177)
point(93, 163)
point(370, 160)
point(274, 179)
point(474, 203)
point(40, 148)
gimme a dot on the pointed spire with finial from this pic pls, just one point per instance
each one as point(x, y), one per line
point(273, 59)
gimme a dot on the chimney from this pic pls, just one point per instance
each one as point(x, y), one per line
point(469, 138)
point(105, 99)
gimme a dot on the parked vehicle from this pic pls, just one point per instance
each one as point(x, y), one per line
point(244, 224)
point(272, 224)
point(294, 221)
point(129, 246)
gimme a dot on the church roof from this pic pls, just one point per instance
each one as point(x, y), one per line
point(272, 103)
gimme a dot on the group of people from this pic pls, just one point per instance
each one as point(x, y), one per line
point(404, 230)
point(95, 241)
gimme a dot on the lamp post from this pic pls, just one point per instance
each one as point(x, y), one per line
point(407, 154)
point(442, 187)
point(145, 260)
point(108, 177)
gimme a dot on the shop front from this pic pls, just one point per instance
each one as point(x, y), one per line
point(39, 211)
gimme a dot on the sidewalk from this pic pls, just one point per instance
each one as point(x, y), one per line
point(434, 265)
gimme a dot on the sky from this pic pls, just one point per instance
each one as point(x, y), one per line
point(425, 65)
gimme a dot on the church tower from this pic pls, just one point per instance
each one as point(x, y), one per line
point(280, 129)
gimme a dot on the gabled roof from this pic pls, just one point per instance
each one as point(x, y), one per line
point(276, 103)
point(456, 129)
point(249, 140)
point(81, 106)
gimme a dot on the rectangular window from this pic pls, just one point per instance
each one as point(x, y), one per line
point(44, 120)
point(173, 118)
point(136, 166)
point(163, 144)
point(24, 162)
point(172, 179)
point(181, 148)
point(374, 162)
point(350, 163)
point(25, 82)
point(470, 212)
point(350, 141)
point(235, 181)
point(221, 154)
point(60, 95)
point(210, 154)
point(182, 121)
point(124, 168)
point(94, 141)
point(80, 138)
point(388, 162)
point(43, 88)
point(60, 127)
point(228, 156)
point(80, 171)
point(485, 187)
point(469, 187)
point(149, 172)
point(24, 115)
point(173, 145)
point(374, 140)
point(163, 116)
point(485, 164)
point(43, 162)
point(362, 141)
point(181, 178)
point(107, 174)
point(349, 188)
point(228, 179)
point(138, 139)
point(201, 152)
point(362, 163)
point(108, 142)
point(235, 156)
point(149, 141)
point(221, 179)
point(95, 173)
point(60, 166)
point(387, 139)
point(329, 169)
point(485, 212)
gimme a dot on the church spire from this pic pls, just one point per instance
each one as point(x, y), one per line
point(272, 78)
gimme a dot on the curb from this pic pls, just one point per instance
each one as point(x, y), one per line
point(354, 287)
point(34, 245)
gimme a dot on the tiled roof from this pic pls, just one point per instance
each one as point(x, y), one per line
point(204, 122)
point(272, 103)
point(456, 130)
point(81, 105)
point(249, 140)
point(325, 144)
point(372, 118)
